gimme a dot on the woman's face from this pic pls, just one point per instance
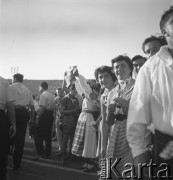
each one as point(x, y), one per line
point(105, 80)
point(121, 70)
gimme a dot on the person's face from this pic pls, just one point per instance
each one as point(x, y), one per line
point(105, 80)
point(60, 93)
point(137, 64)
point(121, 70)
point(169, 32)
point(151, 48)
point(73, 92)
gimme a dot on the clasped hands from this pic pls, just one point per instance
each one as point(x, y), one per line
point(118, 102)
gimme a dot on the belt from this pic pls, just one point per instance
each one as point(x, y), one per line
point(21, 107)
point(87, 111)
point(120, 117)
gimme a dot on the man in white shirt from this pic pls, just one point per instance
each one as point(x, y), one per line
point(22, 99)
point(44, 122)
point(6, 103)
point(152, 102)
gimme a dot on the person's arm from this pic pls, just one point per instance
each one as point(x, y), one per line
point(42, 108)
point(32, 111)
point(105, 128)
point(64, 86)
point(11, 110)
point(11, 116)
point(139, 117)
point(82, 86)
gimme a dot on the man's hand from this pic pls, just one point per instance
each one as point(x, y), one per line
point(12, 131)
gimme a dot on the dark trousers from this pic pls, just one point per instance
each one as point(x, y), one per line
point(161, 142)
point(3, 145)
point(22, 118)
point(68, 135)
point(43, 132)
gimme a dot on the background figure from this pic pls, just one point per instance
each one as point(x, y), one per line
point(152, 102)
point(152, 45)
point(58, 120)
point(69, 111)
point(6, 99)
point(23, 101)
point(44, 122)
point(138, 61)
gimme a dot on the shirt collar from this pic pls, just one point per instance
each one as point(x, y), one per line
point(165, 56)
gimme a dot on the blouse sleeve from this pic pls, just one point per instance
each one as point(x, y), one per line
point(82, 86)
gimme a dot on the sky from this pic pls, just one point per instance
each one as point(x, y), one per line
point(42, 38)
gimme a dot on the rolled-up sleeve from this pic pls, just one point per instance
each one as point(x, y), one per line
point(82, 86)
point(139, 114)
point(10, 94)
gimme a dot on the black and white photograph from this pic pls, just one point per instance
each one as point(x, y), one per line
point(86, 89)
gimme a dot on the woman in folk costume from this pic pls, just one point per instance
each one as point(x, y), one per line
point(85, 142)
point(117, 109)
point(107, 79)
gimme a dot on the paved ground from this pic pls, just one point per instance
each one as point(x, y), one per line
point(47, 169)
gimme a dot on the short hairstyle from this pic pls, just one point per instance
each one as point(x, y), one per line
point(161, 39)
point(164, 19)
point(18, 77)
point(123, 58)
point(138, 57)
point(44, 85)
point(104, 69)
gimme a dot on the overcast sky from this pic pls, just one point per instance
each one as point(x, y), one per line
point(44, 37)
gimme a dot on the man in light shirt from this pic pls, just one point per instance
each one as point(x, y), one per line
point(152, 102)
point(152, 45)
point(6, 103)
point(22, 99)
point(44, 122)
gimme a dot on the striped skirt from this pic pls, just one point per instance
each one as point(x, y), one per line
point(118, 146)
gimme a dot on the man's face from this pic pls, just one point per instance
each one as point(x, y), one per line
point(121, 70)
point(138, 63)
point(60, 93)
point(169, 32)
point(105, 79)
point(151, 48)
point(73, 92)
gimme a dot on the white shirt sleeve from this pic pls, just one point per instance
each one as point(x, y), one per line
point(82, 86)
point(139, 115)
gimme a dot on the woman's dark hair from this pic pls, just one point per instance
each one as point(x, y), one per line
point(138, 57)
point(123, 58)
point(104, 69)
point(160, 38)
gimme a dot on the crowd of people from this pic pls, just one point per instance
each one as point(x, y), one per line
point(126, 113)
